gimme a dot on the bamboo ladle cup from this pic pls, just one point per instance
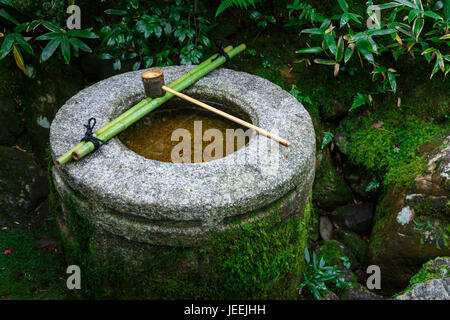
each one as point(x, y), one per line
point(153, 81)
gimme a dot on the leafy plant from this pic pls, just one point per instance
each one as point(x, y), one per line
point(68, 40)
point(327, 138)
point(318, 277)
point(361, 99)
point(243, 4)
point(301, 13)
point(427, 229)
point(144, 35)
point(372, 185)
point(411, 27)
point(262, 20)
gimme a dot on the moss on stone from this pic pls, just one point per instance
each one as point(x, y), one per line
point(258, 260)
point(354, 243)
point(334, 252)
point(404, 175)
point(430, 270)
point(329, 189)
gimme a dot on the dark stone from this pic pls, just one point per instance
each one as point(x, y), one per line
point(358, 180)
point(354, 242)
point(22, 184)
point(355, 217)
point(329, 190)
point(332, 251)
point(55, 83)
point(11, 125)
point(359, 292)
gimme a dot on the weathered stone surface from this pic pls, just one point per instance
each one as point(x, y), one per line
point(431, 283)
point(355, 217)
point(22, 184)
point(330, 190)
point(138, 206)
point(412, 224)
point(359, 292)
point(200, 194)
point(325, 227)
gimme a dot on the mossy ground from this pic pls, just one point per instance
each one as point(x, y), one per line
point(29, 272)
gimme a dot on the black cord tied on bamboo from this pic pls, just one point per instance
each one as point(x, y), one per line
point(220, 52)
point(89, 134)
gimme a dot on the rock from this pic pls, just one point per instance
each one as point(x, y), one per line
point(355, 217)
point(326, 228)
point(342, 142)
point(55, 82)
point(412, 223)
point(330, 295)
point(334, 252)
point(10, 123)
point(354, 242)
point(359, 292)
point(22, 184)
point(329, 190)
point(431, 283)
point(358, 180)
point(334, 111)
point(434, 289)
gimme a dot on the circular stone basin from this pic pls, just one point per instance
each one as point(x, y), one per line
point(151, 137)
point(234, 227)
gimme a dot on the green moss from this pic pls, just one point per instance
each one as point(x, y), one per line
point(354, 243)
point(329, 189)
point(29, 273)
point(391, 150)
point(428, 271)
point(334, 252)
point(404, 175)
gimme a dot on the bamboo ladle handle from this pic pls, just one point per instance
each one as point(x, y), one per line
point(228, 116)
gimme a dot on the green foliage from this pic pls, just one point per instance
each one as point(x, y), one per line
point(372, 185)
point(262, 20)
point(359, 100)
point(425, 32)
point(440, 234)
point(243, 4)
point(327, 138)
point(312, 108)
point(151, 35)
point(67, 40)
point(317, 276)
point(301, 13)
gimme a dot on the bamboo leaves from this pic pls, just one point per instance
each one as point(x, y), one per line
point(15, 42)
point(422, 26)
point(65, 40)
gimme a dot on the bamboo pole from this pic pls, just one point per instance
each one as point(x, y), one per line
point(66, 157)
point(228, 116)
point(155, 103)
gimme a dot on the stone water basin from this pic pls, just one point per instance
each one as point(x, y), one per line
point(234, 227)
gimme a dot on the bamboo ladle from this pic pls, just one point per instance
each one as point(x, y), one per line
point(153, 81)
